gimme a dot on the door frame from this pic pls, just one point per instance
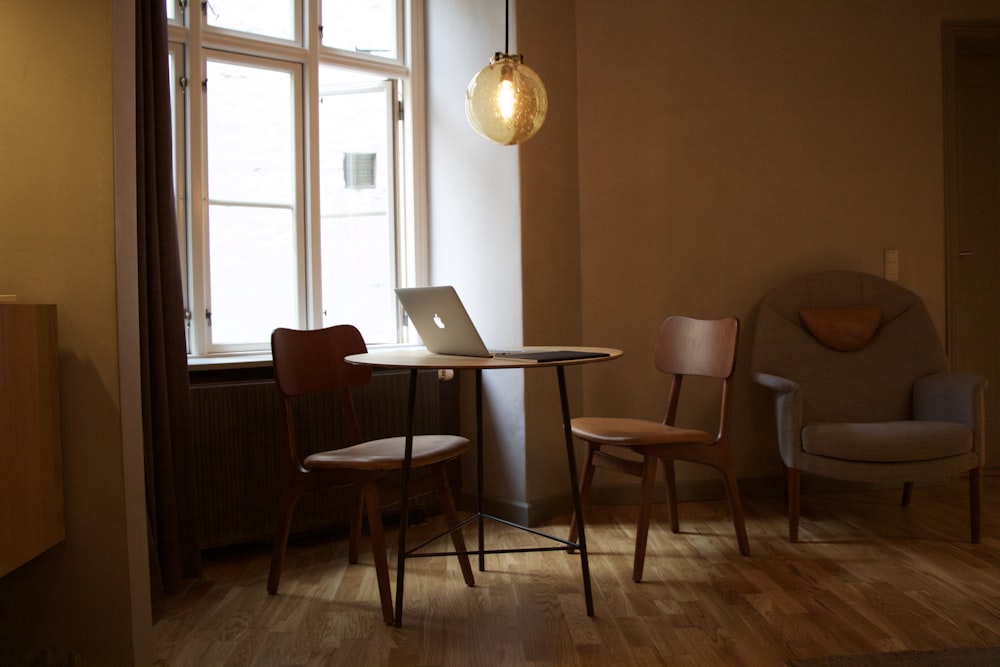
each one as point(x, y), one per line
point(956, 36)
point(959, 37)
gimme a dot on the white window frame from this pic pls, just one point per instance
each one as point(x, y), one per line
point(202, 298)
point(190, 38)
point(390, 90)
point(179, 133)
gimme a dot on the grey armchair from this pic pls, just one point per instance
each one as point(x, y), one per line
point(862, 390)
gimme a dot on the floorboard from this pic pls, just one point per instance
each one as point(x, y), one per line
point(868, 576)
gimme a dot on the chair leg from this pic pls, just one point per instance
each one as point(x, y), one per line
point(646, 489)
point(736, 509)
point(355, 510)
point(451, 516)
point(281, 532)
point(907, 494)
point(975, 503)
point(374, 504)
point(794, 478)
point(670, 476)
point(586, 481)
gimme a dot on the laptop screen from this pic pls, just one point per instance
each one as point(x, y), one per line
point(440, 318)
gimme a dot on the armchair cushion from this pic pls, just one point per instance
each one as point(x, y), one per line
point(844, 328)
point(887, 442)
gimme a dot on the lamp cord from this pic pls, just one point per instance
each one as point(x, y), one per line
point(506, 35)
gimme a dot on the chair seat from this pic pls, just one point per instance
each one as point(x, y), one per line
point(887, 442)
point(387, 453)
point(626, 432)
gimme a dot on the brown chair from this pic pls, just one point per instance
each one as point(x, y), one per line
point(311, 362)
point(684, 347)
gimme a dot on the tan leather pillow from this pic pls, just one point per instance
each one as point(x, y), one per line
point(842, 328)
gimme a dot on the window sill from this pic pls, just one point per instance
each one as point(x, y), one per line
point(236, 361)
point(229, 361)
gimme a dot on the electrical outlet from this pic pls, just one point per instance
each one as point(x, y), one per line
point(891, 259)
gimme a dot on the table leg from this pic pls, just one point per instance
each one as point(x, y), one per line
point(479, 466)
point(404, 511)
point(574, 483)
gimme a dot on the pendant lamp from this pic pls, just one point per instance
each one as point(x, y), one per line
point(506, 101)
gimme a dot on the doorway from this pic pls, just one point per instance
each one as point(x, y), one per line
point(972, 208)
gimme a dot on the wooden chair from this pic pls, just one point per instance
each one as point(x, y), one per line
point(307, 362)
point(685, 346)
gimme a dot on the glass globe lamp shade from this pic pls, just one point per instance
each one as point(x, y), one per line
point(506, 102)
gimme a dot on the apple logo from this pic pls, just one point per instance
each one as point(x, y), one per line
point(438, 322)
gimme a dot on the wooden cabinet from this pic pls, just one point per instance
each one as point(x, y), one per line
point(31, 492)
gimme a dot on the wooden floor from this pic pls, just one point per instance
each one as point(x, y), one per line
point(868, 576)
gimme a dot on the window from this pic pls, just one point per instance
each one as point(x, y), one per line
point(374, 30)
point(295, 167)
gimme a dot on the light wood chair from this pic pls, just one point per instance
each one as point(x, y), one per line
point(684, 347)
point(310, 362)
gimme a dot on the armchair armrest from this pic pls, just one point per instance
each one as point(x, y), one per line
point(950, 396)
point(782, 385)
point(787, 413)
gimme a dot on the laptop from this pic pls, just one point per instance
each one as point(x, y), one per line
point(445, 327)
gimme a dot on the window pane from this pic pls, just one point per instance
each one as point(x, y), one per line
point(356, 290)
point(175, 62)
point(172, 77)
point(250, 134)
point(270, 18)
point(170, 9)
point(364, 26)
point(252, 262)
point(252, 214)
point(357, 225)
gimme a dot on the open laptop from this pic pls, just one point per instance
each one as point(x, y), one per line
point(445, 327)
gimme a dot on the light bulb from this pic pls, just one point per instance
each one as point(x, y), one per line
point(506, 101)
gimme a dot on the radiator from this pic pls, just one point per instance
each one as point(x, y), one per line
point(236, 432)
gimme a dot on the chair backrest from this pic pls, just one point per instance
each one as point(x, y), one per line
point(312, 361)
point(307, 361)
point(687, 346)
point(705, 348)
point(870, 384)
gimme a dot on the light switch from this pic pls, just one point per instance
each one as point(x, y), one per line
point(892, 264)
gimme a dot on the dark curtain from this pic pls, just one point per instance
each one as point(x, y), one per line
point(173, 534)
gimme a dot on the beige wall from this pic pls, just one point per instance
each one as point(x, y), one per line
point(723, 147)
point(551, 249)
point(57, 245)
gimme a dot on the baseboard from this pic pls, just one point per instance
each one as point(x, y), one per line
point(518, 512)
point(537, 512)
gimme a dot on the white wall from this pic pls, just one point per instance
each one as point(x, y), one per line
point(475, 241)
